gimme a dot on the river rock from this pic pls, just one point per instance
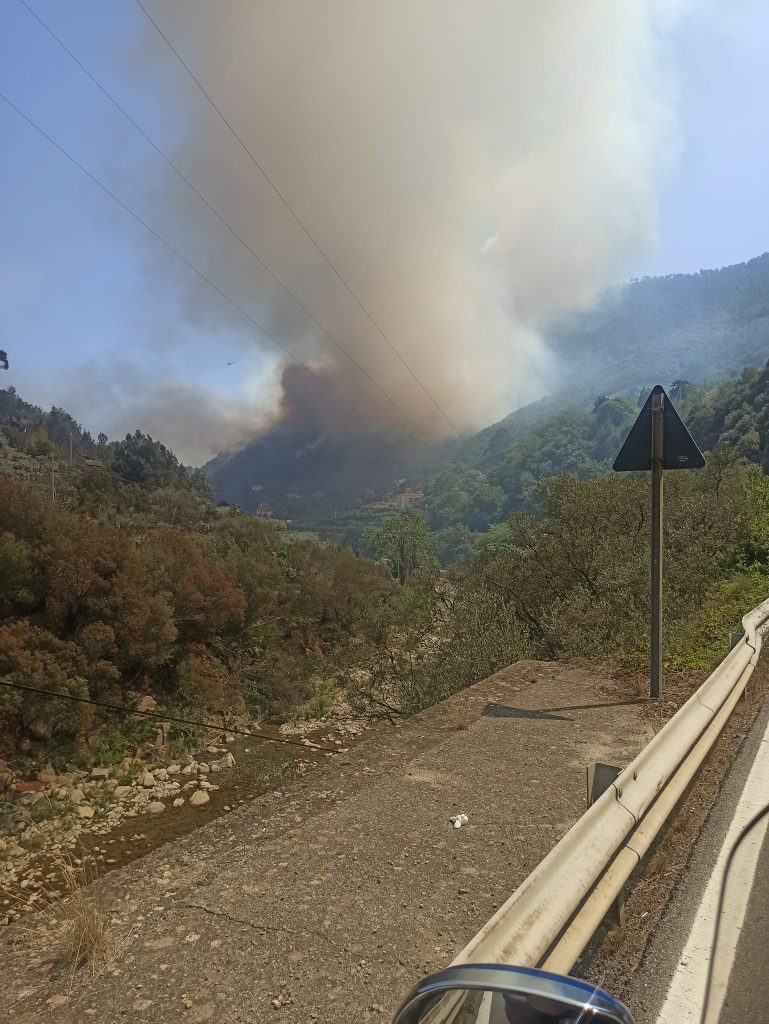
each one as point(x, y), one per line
point(228, 761)
point(76, 796)
point(30, 799)
point(121, 792)
point(199, 797)
point(147, 703)
point(174, 769)
point(188, 769)
point(147, 780)
point(160, 774)
point(85, 810)
point(156, 807)
point(178, 801)
point(98, 774)
point(110, 785)
point(204, 769)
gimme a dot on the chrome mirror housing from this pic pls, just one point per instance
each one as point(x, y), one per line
point(498, 994)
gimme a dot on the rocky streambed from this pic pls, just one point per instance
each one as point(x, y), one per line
point(81, 824)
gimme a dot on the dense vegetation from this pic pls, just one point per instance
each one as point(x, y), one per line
point(688, 325)
point(119, 576)
point(699, 327)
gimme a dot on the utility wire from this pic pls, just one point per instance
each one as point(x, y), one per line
point(159, 717)
point(263, 330)
point(298, 220)
point(221, 219)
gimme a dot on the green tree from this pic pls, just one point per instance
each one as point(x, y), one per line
point(406, 542)
point(464, 499)
point(139, 459)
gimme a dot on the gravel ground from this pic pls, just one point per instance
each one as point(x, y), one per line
point(326, 901)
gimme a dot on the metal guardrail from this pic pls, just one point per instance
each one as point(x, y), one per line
point(553, 914)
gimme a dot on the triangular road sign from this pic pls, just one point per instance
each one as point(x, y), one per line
point(679, 449)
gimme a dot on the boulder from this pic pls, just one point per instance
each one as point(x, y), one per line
point(199, 797)
point(30, 799)
point(85, 810)
point(76, 796)
point(160, 774)
point(228, 761)
point(156, 807)
point(173, 769)
point(99, 774)
point(178, 801)
point(147, 780)
point(110, 785)
point(204, 769)
point(147, 703)
point(121, 792)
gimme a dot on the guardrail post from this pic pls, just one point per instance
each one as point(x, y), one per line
point(599, 777)
point(734, 639)
point(617, 914)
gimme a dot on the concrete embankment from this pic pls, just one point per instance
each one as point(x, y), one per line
point(327, 900)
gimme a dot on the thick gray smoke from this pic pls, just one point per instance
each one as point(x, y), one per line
point(475, 171)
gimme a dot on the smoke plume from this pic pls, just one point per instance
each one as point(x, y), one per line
point(474, 171)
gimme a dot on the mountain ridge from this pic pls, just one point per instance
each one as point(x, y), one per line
point(651, 330)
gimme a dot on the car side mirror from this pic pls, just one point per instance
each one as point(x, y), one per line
point(497, 994)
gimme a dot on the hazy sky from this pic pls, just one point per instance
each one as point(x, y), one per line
point(85, 325)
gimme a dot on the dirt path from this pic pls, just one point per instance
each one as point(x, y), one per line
point(326, 901)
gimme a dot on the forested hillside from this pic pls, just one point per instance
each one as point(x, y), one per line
point(698, 328)
point(692, 326)
point(119, 577)
point(462, 502)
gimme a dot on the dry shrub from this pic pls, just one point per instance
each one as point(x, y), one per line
point(462, 721)
point(83, 935)
point(67, 929)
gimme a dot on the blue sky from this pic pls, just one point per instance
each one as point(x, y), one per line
point(77, 316)
point(715, 203)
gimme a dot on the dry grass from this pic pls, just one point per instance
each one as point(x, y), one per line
point(462, 721)
point(83, 935)
point(67, 930)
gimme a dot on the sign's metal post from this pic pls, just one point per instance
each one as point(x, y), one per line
point(657, 446)
point(658, 440)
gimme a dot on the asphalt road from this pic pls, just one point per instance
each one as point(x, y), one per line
point(669, 987)
point(747, 994)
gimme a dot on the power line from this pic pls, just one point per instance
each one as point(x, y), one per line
point(187, 263)
point(221, 219)
point(299, 221)
point(161, 718)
